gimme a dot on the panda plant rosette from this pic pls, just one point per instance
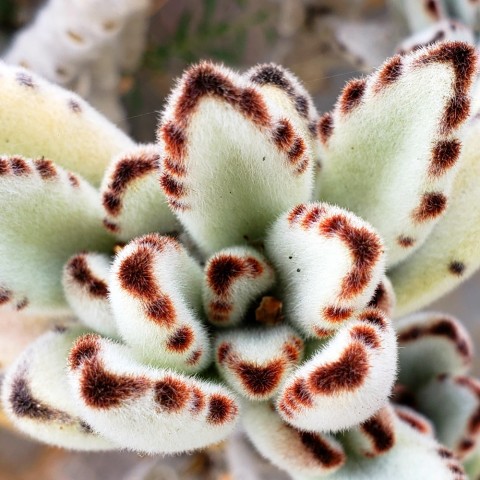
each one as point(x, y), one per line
point(243, 271)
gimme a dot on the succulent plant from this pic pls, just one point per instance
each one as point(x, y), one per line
point(247, 263)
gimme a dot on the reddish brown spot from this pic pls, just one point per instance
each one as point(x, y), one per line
point(181, 340)
point(374, 317)
point(293, 349)
point(110, 226)
point(465, 445)
point(322, 451)
point(171, 394)
point(4, 166)
point(194, 357)
point(223, 351)
point(345, 374)
point(325, 127)
point(102, 389)
point(161, 311)
point(19, 166)
point(414, 420)
point(260, 380)
point(25, 79)
point(444, 452)
point(378, 296)
point(178, 206)
point(283, 134)
point(297, 150)
point(269, 312)
point(334, 314)
point(73, 179)
point(431, 206)
point(85, 348)
point(456, 268)
point(5, 295)
point(444, 156)
point(379, 430)
point(390, 72)
point(474, 422)
point(220, 307)
point(252, 105)
point(312, 216)
point(296, 213)
point(172, 187)
point(363, 244)
point(80, 271)
point(198, 400)
point(352, 95)
point(136, 274)
point(432, 8)
point(45, 168)
point(221, 409)
point(302, 166)
point(127, 171)
point(74, 106)
point(297, 395)
point(322, 332)
point(174, 140)
point(174, 167)
point(405, 241)
point(22, 304)
point(367, 335)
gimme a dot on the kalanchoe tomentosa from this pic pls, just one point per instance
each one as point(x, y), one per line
point(260, 294)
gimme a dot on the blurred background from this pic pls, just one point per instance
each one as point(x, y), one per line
point(324, 42)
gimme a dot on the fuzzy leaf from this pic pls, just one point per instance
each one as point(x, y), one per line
point(47, 215)
point(144, 409)
point(39, 119)
point(451, 253)
point(329, 262)
point(391, 146)
point(431, 344)
point(256, 362)
point(347, 381)
point(234, 277)
point(85, 283)
point(297, 452)
point(384, 297)
point(155, 294)
point(133, 200)
point(36, 395)
point(234, 160)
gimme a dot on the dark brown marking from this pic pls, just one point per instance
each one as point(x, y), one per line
point(221, 409)
point(283, 134)
point(297, 395)
point(325, 127)
point(110, 226)
point(297, 151)
point(74, 106)
point(389, 73)
point(431, 206)
point(322, 332)
point(194, 357)
point(73, 179)
point(444, 156)
point(127, 171)
point(136, 274)
point(456, 268)
point(161, 311)
point(444, 452)
point(292, 349)
point(351, 96)
point(45, 168)
point(22, 304)
point(312, 216)
point(334, 314)
point(174, 167)
point(363, 244)
point(260, 380)
point(345, 374)
point(465, 445)
point(19, 166)
point(223, 351)
point(85, 348)
point(171, 394)
point(5, 296)
point(80, 271)
point(414, 420)
point(405, 241)
point(171, 187)
point(323, 453)
point(198, 400)
point(25, 80)
point(374, 317)
point(173, 137)
point(379, 430)
point(270, 311)
point(181, 340)
point(432, 8)
point(102, 389)
point(367, 335)
point(296, 213)
point(4, 166)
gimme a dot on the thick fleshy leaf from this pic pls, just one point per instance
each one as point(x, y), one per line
point(451, 253)
point(36, 395)
point(329, 262)
point(452, 403)
point(155, 294)
point(290, 449)
point(414, 456)
point(40, 119)
point(233, 158)
point(133, 200)
point(391, 146)
point(234, 277)
point(256, 362)
point(145, 409)
point(47, 215)
point(430, 344)
point(347, 381)
point(85, 283)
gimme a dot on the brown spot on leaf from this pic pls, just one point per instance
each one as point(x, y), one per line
point(389, 73)
point(74, 106)
point(334, 314)
point(325, 127)
point(296, 213)
point(444, 156)
point(221, 409)
point(198, 400)
point(405, 241)
point(373, 316)
point(379, 429)
point(174, 140)
point(351, 96)
point(415, 421)
point(136, 274)
point(181, 340)
point(79, 271)
point(25, 80)
point(171, 187)
point(19, 166)
point(171, 394)
point(260, 380)
point(45, 168)
point(297, 151)
point(223, 351)
point(161, 310)
point(85, 348)
point(73, 180)
point(367, 335)
point(297, 395)
point(322, 451)
point(283, 134)
point(456, 268)
point(431, 206)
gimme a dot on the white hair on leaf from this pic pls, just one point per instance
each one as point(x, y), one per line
point(85, 283)
point(47, 215)
point(329, 262)
point(155, 294)
point(37, 399)
point(391, 145)
point(212, 176)
point(132, 198)
point(345, 382)
point(145, 409)
point(234, 277)
point(256, 362)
